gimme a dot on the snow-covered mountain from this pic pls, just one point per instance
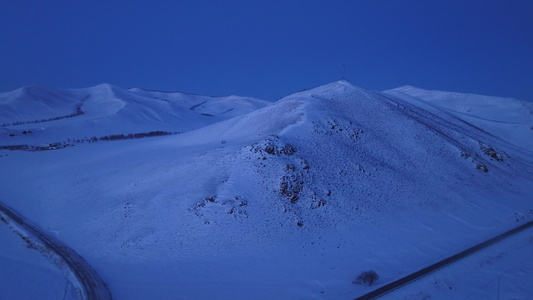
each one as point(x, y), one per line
point(290, 199)
point(55, 115)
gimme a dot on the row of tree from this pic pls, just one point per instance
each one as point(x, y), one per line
point(78, 112)
point(115, 137)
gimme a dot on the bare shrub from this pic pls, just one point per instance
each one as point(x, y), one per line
point(367, 277)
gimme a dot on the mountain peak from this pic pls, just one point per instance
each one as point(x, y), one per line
point(317, 181)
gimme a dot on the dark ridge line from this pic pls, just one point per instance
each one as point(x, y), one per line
point(196, 105)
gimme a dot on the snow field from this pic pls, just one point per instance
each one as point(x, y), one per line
point(289, 201)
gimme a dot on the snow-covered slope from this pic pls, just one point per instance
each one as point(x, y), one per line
point(35, 103)
point(57, 116)
point(509, 119)
point(286, 201)
point(26, 274)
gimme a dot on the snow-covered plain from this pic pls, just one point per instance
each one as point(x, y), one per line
point(284, 200)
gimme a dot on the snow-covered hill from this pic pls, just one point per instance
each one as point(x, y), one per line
point(57, 116)
point(506, 118)
point(289, 200)
point(36, 103)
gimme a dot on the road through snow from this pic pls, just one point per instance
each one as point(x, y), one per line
point(93, 286)
point(434, 267)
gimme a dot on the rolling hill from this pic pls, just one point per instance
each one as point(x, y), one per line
point(248, 199)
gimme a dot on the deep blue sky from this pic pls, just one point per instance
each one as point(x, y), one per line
point(268, 49)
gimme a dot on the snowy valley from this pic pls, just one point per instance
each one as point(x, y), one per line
point(178, 196)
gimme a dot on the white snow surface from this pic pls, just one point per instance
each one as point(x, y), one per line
point(110, 110)
point(507, 118)
point(26, 274)
point(288, 200)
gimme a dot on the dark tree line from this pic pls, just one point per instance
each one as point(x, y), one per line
point(130, 136)
point(78, 112)
point(71, 142)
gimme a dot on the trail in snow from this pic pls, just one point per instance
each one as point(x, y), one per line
point(441, 264)
point(93, 287)
point(288, 200)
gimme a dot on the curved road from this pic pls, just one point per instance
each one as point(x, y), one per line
point(434, 267)
point(93, 286)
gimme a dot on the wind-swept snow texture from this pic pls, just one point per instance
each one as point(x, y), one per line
point(291, 200)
